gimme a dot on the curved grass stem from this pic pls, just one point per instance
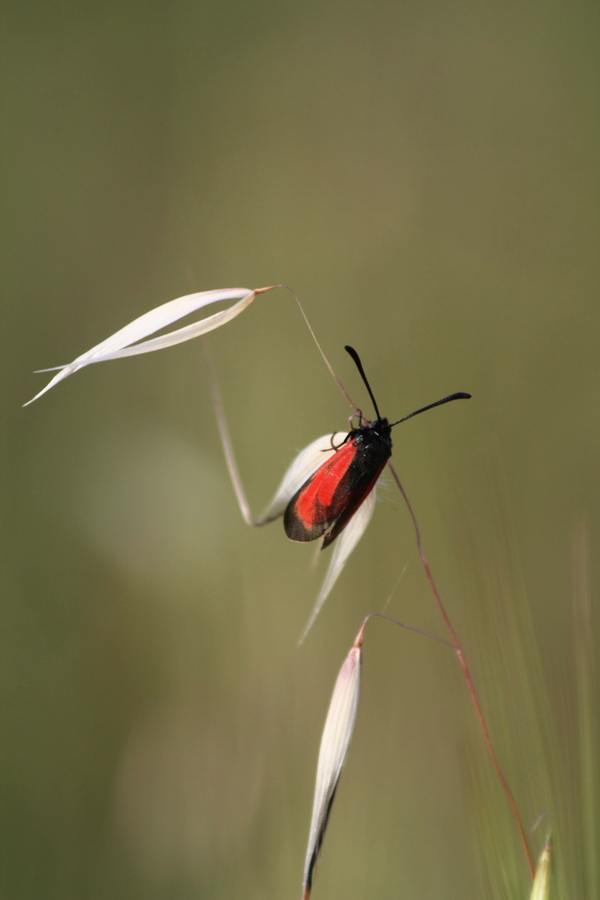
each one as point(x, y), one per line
point(468, 678)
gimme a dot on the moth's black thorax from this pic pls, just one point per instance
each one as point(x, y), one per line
point(374, 436)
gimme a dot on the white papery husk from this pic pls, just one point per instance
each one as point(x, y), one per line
point(119, 344)
point(337, 734)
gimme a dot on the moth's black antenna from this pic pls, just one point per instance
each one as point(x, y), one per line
point(358, 363)
point(460, 395)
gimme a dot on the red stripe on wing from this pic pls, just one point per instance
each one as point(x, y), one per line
point(319, 502)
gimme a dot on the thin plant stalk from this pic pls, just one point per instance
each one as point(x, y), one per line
point(230, 460)
point(468, 677)
point(320, 349)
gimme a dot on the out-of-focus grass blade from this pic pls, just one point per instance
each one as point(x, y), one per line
point(587, 706)
point(120, 343)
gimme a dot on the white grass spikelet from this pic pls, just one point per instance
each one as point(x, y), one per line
point(337, 734)
point(119, 344)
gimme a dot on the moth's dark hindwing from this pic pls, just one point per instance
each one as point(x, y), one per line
point(372, 449)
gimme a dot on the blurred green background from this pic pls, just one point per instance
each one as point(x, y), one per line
point(425, 176)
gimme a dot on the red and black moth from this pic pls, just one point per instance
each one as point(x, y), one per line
point(326, 502)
